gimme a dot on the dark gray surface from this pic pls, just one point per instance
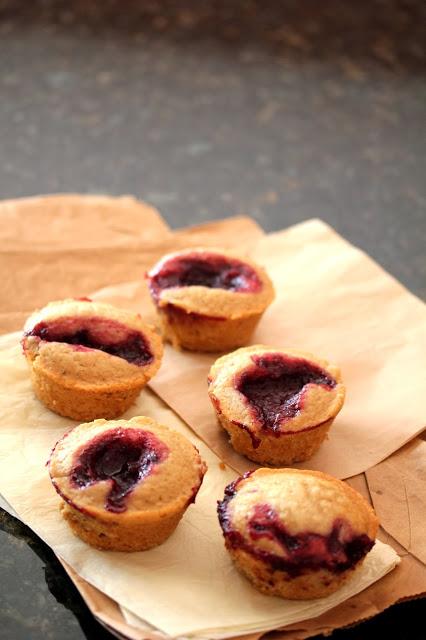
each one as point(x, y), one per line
point(281, 110)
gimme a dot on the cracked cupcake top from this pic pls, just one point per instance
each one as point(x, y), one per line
point(110, 467)
point(275, 391)
point(210, 282)
point(91, 342)
point(297, 520)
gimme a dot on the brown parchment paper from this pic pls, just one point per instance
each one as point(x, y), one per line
point(406, 580)
point(34, 277)
point(398, 491)
point(72, 221)
point(53, 247)
point(154, 584)
point(409, 578)
point(335, 301)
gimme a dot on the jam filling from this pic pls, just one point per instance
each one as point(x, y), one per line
point(336, 552)
point(110, 336)
point(205, 270)
point(123, 456)
point(275, 387)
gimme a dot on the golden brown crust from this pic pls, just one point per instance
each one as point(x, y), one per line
point(278, 583)
point(81, 403)
point(200, 333)
point(300, 436)
point(114, 536)
point(277, 450)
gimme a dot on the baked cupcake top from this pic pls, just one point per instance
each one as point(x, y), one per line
point(92, 343)
point(275, 391)
point(297, 520)
point(104, 468)
point(210, 282)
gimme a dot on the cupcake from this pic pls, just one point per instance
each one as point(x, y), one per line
point(209, 300)
point(125, 484)
point(296, 534)
point(89, 360)
point(277, 405)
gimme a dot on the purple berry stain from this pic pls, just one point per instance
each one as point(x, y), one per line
point(91, 332)
point(274, 386)
point(124, 457)
point(205, 270)
point(339, 550)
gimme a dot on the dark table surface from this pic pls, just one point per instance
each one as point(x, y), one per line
point(283, 110)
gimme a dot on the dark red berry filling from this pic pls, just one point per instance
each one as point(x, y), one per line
point(123, 456)
point(337, 551)
point(96, 333)
point(205, 270)
point(275, 386)
point(222, 505)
